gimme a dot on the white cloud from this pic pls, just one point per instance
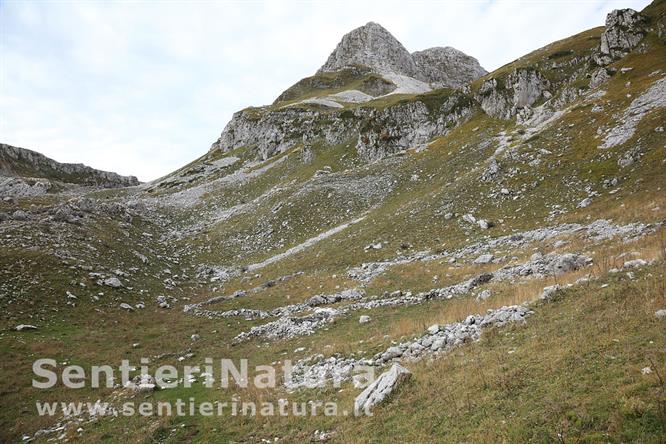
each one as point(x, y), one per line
point(143, 88)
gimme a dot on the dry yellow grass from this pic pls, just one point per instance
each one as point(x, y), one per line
point(649, 248)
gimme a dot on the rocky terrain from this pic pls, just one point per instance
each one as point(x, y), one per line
point(490, 245)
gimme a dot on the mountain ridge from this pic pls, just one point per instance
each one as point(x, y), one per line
point(18, 162)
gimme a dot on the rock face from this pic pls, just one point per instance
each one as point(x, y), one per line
point(373, 46)
point(447, 67)
point(20, 162)
point(520, 89)
point(625, 28)
point(379, 390)
point(378, 132)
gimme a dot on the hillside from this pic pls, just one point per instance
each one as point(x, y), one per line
point(500, 235)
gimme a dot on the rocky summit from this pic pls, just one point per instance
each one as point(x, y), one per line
point(436, 252)
point(374, 47)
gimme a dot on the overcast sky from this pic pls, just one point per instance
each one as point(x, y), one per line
point(142, 88)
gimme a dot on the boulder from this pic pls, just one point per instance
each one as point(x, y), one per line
point(485, 294)
point(549, 291)
point(484, 259)
point(469, 218)
point(585, 203)
point(25, 327)
point(484, 224)
point(162, 302)
point(364, 319)
point(565, 263)
point(392, 352)
point(113, 282)
point(379, 390)
point(20, 215)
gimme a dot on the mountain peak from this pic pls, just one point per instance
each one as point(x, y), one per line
point(373, 46)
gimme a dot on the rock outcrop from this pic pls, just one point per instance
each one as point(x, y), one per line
point(378, 131)
point(503, 97)
point(625, 28)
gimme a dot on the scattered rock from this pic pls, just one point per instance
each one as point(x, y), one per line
point(653, 98)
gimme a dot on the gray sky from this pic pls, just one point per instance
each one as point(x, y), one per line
point(143, 88)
